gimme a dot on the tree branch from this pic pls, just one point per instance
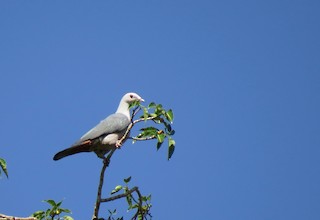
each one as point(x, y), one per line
point(135, 112)
point(129, 192)
point(6, 217)
point(106, 162)
point(144, 119)
point(120, 195)
point(140, 210)
point(143, 139)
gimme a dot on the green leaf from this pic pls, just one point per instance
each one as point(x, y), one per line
point(134, 206)
point(160, 137)
point(134, 104)
point(51, 202)
point(48, 212)
point(152, 105)
point(158, 109)
point(65, 210)
point(38, 214)
point(127, 180)
point(148, 132)
point(150, 129)
point(58, 204)
point(3, 166)
point(172, 144)
point(116, 189)
point(144, 198)
point(168, 127)
point(145, 113)
point(66, 217)
point(129, 200)
point(169, 115)
point(152, 115)
point(159, 145)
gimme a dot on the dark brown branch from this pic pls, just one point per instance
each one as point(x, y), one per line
point(135, 112)
point(140, 210)
point(106, 162)
point(121, 195)
point(129, 192)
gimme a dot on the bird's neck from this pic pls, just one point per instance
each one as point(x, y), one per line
point(124, 109)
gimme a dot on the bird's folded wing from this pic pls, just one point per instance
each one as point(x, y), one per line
point(114, 123)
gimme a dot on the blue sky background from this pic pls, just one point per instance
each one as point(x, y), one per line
point(241, 76)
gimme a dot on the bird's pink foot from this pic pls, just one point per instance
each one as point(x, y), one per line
point(118, 144)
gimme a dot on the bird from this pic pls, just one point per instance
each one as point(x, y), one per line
point(106, 135)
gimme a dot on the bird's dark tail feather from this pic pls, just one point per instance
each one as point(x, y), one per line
point(82, 147)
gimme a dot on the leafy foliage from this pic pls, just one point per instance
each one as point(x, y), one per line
point(3, 166)
point(53, 213)
point(161, 117)
point(141, 204)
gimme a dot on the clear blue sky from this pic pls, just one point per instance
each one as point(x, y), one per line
point(243, 79)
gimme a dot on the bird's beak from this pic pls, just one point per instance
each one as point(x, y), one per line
point(141, 99)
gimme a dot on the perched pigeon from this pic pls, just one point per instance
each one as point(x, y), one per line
point(106, 135)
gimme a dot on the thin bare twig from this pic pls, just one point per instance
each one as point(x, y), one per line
point(144, 119)
point(135, 112)
point(143, 139)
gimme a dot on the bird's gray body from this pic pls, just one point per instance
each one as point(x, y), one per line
point(115, 123)
point(105, 135)
point(101, 139)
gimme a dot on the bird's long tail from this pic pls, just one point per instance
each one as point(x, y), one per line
point(85, 146)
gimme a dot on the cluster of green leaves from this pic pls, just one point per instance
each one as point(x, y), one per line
point(53, 213)
point(3, 166)
point(159, 116)
point(139, 202)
